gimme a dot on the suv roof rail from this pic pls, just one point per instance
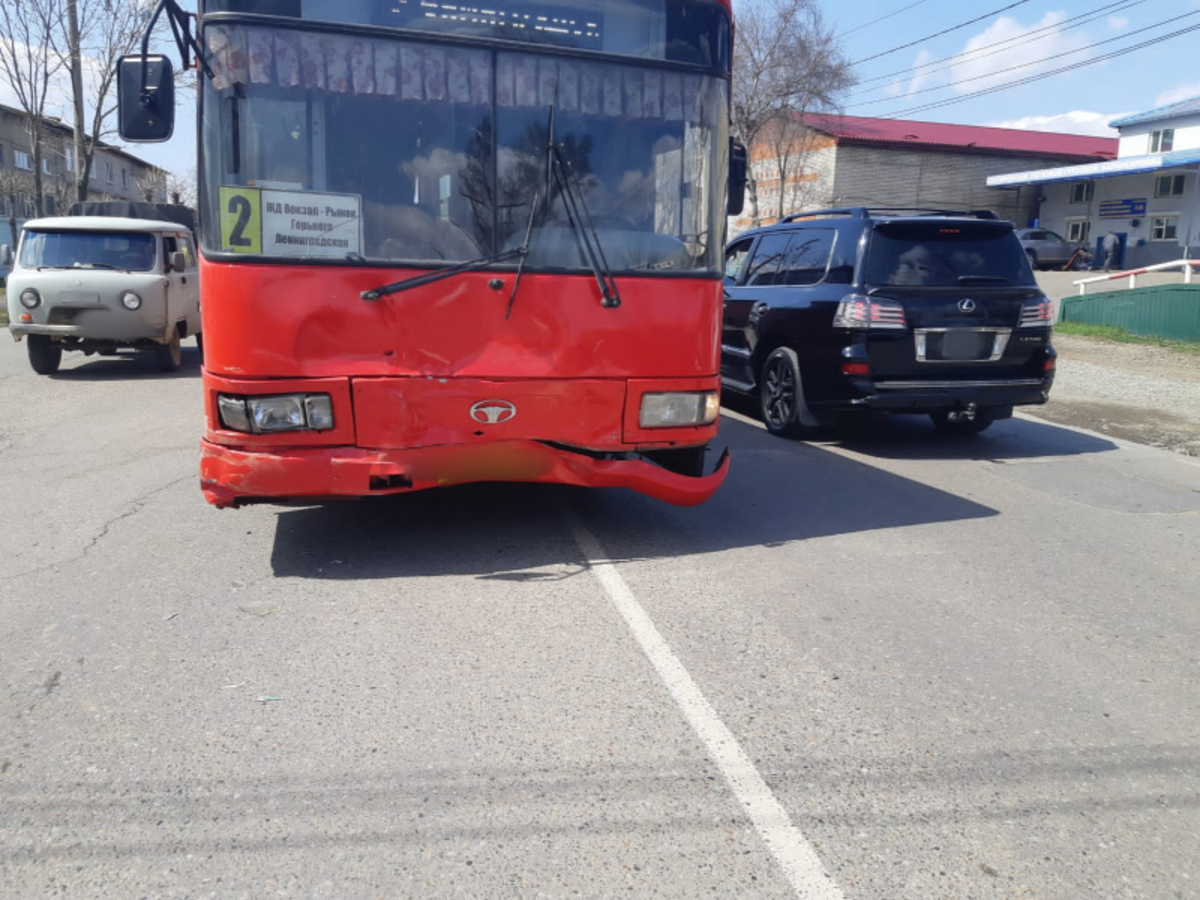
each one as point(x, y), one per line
point(858, 212)
point(865, 212)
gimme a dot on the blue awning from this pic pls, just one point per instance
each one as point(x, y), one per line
point(1129, 165)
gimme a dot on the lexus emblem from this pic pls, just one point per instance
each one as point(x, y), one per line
point(493, 412)
point(967, 305)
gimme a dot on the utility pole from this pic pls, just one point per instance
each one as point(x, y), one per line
point(77, 92)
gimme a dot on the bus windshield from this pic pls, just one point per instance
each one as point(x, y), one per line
point(132, 252)
point(372, 149)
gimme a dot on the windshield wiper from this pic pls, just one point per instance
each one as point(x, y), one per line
point(524, 254)
point(418, 280)
point(93, 265)
point(992, 279)
point(580, 219)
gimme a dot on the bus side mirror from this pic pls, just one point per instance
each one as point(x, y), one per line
point(145, 98)
point(737, 177)
point(6, 255)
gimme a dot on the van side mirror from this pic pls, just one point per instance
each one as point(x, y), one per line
point(737, 177)
point(145, 98)
point(177, 261)
point(6, 255)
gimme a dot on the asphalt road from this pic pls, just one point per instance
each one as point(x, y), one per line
point(885, 667)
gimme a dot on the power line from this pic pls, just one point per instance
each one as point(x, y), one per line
point(1082, 19)
point(1036, 62)
point(1032, 78)
point(940, 33)
point(881, 18)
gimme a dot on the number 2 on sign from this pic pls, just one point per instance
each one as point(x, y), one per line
point(241, 219)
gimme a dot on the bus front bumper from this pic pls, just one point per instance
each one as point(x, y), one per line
point(231, 478)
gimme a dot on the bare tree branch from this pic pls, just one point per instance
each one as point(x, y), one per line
point(28, 30)
point(787, 62)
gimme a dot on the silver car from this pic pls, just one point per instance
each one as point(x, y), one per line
point(1044, 248)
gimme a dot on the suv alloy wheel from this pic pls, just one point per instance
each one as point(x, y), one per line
point(781, 393)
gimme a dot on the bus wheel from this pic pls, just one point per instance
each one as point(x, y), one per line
point(200, 346)
point(169, 355)
point(44, 354)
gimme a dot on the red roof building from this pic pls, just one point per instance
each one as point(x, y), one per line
point(1014, 141)
point(825, 160)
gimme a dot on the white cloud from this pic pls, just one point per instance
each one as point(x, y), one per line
point(1118, 23)
point(1042, 51)
point(1077, 121)
point(920, 79)
point(1175, 94)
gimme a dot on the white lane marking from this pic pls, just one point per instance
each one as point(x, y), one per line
point(796, 857)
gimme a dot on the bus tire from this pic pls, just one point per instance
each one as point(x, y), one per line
point(45, 355)
point(200, 347)
point(169, 355)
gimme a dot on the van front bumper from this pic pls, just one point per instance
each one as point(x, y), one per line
point(230, 477)
point(71, 333)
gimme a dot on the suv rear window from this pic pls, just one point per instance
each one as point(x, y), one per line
point(946, 254)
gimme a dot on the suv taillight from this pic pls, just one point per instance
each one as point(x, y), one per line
point(860, 311)
point(1037, 314)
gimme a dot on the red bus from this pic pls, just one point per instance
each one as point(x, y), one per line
point(445, 244)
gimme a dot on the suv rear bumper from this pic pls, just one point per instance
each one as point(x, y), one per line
point(231, 477)
point(933, 396)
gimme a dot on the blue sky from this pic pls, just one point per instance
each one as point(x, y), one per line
point(1037, 36)
point(1030, 38)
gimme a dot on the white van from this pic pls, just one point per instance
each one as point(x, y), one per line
point(100, 284)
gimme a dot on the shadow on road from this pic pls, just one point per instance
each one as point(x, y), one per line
point(914, 437)
point(129, 364)
point(777, 492)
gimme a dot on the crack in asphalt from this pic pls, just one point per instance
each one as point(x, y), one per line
point(137, 504)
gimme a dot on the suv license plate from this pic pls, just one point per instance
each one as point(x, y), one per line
point(966, 345)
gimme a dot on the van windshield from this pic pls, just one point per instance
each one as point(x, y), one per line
point(946, 254)
point(130, 251)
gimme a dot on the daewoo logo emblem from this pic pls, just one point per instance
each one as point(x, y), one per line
point(493, 412)
point(966, 304)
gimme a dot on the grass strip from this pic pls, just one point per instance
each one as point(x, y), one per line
point(1116, 333)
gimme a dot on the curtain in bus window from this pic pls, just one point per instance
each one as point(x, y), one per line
point(363, 66)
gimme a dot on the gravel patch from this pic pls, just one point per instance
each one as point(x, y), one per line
point(1138, 392)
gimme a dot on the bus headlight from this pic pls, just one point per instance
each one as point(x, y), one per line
point(275, 413)
point(130, 300)
point(675, 409)
point(30, 299)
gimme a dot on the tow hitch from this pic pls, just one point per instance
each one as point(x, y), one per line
point(962, 415)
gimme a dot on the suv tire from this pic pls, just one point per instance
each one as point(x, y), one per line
point(45, 355)
point(982, 421)
point(781, 394)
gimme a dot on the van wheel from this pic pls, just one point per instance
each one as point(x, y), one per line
point(942, 421)
point(169, 355)
point(44, 354)
point(781, 394)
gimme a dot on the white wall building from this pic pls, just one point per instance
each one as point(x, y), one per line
point(1149, 195)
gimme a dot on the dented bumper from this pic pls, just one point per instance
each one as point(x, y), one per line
point(230, 477)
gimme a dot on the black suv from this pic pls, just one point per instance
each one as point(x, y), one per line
point(844, 311)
